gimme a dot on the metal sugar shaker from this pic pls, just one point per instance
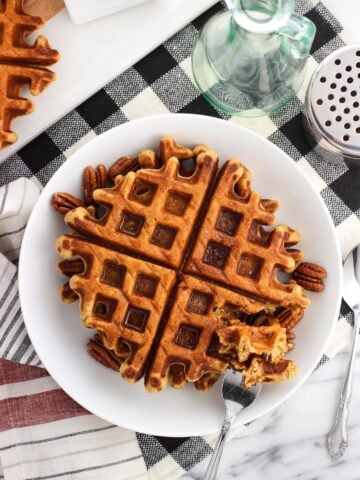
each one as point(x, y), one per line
point(332, 107)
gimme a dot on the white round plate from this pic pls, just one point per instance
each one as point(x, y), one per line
point(55, 328)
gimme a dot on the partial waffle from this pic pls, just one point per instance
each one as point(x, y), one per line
point(16, 26)
point(189, 342)
point(234, 248)
point(152, 212)
point(12, 80)
point(121, 297)
point(20, 64)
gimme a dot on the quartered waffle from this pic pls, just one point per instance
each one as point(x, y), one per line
point(121, 297)
point(234, 248)
point(152, 212)
point(180, 274)
point(20, 64)
point(189, 340)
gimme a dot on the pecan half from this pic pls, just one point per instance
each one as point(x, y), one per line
point(89, 183)
point(101, 176)
point(64, 202)
point(67, 295)
point(122, 166)
point(289, 317)
point(104, 356)
point(71, 267)
point(310, 276)
point(92, 180)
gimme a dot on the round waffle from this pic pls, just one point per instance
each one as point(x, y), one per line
point(179, 267)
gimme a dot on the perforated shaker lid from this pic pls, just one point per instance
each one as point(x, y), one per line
point(333, 100)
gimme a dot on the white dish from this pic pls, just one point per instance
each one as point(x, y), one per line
point(55, 328)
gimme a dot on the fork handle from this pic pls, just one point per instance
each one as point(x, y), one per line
point(337, 438)
point(213, 466)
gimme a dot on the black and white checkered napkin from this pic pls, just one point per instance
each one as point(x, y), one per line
point(160, 83)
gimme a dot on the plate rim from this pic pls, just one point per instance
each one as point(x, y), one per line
point(200, 118)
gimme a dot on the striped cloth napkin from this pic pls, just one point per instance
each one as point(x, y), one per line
point(43, 433)
point(42, 430)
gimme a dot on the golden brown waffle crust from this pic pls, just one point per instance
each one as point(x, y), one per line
point(251, 263)
point(163, 184)
point(132, 316)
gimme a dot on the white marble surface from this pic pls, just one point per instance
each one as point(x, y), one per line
point(290, 443)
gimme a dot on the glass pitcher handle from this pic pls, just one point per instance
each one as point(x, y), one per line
point(301, 32)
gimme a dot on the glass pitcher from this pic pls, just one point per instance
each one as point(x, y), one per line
point(251, 59)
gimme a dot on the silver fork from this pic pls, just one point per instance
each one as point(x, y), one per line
point(236, 398)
